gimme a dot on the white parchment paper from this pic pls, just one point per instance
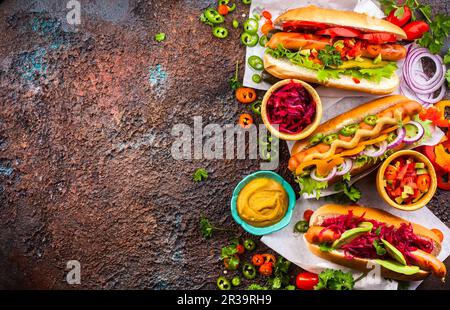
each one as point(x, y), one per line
point(334, 101)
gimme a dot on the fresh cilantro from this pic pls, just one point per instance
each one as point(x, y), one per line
point(403, 285)
point(310, 186)
point(207, 229)
point(290, 288)
point(281, 277)
point(353, 193)
point(297, 58)
point(439, 32)
point(256, 287)
point(347, 176)
point(331, 279)
point(330, 56)
point(325, 247)
point(447, 57)
point(414, 5)
point(399, 12)
point(159, 37)
point(234, 80)
point(228, 251)
point(200, 175)
point(379, 247)
point(447, 77)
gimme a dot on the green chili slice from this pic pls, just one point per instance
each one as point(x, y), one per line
point(220, 32)
point(256, 62)
point(249, 40)
point(301, 226)
point(232, 8)
point(251, 26)
point(316, 139)
point(330, 138)
point(256, 107)
point(371, 120)
point(349, 130)
point(263, 40)
point(213, 16)
point(249, 271)
point(223, 284)
point(256, 78)
point(247, 1)
point(235, 24)
point(236, 281)
point(249, 244)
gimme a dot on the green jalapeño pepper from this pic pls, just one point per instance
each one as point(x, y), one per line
point(256, 107)
point(263, 40)
point(371, 120)
point(223, 284)
point(236, 281)
point(249, 271)
point(247, 1)
point(220, 2)
point(251, 26)
point(249, 40)
point(232, 8)
point(256, 62)
point(330, 138)
point(220, 32)
point(213, 16)
point(301, 226)
point(256, 78)
point(316, 139)
point(349, 130)
point(249, 244)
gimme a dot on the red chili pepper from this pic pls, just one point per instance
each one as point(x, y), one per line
point(267, 15)
point(415, 30)
point(400, 21)
point(240, 249)
point(356, 80)
point(257, 260)
point(443, 179)
point(266, 269)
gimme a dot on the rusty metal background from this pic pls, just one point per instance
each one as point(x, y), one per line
point(86, 114)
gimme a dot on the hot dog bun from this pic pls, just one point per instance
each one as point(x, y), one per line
point(284, 69)
point(361, 264)
point(360, 21)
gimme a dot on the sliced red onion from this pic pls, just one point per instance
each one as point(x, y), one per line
point(401, 133)
point(371, 151)
point(325, 179)
point(420, 132)
point(344, 167)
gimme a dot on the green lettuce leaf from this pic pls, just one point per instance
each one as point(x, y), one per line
point(309, 186)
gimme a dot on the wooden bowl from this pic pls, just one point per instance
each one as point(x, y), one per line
point(306, 131)
point(425, 198)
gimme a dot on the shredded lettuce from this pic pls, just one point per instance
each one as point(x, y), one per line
point(347, 176)
point(310, 186)
point(326, 73)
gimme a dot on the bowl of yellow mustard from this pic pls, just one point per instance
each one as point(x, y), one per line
point(262, 203)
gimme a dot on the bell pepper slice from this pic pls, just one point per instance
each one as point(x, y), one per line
point(443, 179)
point(323, 166)
point(442, 157)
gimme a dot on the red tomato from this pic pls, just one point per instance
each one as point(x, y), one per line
point(423, 182)
point(340, 32)
point(415, 30)
point(307, 214)
point(294, 25)
point(390, 173)
point(240, 249)
point(402, 20)
point(306, 281)
point(357, 81)
point(379, 37)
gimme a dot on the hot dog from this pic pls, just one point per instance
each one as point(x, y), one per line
point(298, 41)
point(342, 146)
point(339, 49)
point(406, 251)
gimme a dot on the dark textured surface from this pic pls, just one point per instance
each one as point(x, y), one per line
point(85, 134)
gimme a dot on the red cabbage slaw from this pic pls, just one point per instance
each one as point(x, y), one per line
point(291, 107)
point(402, 238)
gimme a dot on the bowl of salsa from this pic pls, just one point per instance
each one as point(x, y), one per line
point(291, 109)
point(407, 180)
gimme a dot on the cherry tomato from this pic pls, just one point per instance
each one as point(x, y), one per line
point(257, 260)
point(245, 95)
point(245, 120)
point(443, 179)
point(415, 30)
point(266, 269)
point(223, 9)
point(240, 249)
point(423, 182)
point(438, 233)
point(295, 25)
point(340, 32)
point(306, 281)
point(307, 214)
point(400, 21)
point(266, 27)
point(390, 173)
point(267, 15)
point(379, 37)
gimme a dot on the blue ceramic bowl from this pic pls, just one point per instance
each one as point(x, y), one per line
point(259, 231)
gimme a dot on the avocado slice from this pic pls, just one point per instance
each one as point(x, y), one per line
point(395, 254)
point(421, 171)
point(364, 64)
point(397, 267)
point(351, 234)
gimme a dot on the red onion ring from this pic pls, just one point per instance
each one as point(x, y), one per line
point(345, 167)
point(401, 133)
point(420, 133)
point(372, 152)
point(325, 179)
